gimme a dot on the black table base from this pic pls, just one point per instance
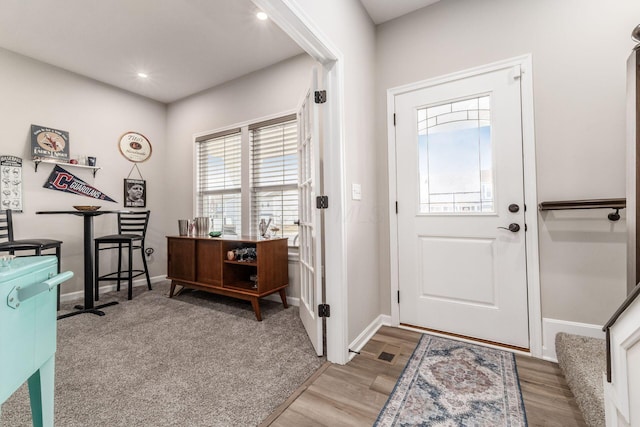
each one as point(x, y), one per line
point(88, 261)
point(93, 310)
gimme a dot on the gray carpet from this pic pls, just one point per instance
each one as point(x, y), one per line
point(583, 362)
point(195, 360)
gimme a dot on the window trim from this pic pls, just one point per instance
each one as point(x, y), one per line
point(245, 189)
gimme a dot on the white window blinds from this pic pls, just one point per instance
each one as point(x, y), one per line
point(219, 180)
point(274, 182)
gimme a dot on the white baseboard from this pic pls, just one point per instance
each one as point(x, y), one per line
point(290, 300)
point(367, 333)
point(78, 295)
point(550, 327)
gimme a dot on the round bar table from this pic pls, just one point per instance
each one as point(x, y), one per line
point(88, 306)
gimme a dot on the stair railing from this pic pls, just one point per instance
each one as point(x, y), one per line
point(616, 204)
point(607, 326)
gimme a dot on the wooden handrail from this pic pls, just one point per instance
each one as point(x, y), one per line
point(607, 326)
point(616, 204)
point(584, 204)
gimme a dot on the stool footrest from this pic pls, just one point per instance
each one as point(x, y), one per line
point(119, 276)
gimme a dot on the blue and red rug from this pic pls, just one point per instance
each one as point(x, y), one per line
point(452, 383)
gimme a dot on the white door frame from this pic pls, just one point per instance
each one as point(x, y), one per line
point(530, 194)
point(293, 21)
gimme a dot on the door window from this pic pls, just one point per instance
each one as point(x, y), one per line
point(455, 157)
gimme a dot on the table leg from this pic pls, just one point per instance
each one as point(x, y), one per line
point(256, 308)
point(283, 297)
point(88, 306)
point(88, 262)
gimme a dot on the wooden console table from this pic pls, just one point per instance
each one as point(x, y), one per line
point(200, 262)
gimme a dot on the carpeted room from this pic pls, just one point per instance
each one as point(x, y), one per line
point(578, 284)
point(196, 359)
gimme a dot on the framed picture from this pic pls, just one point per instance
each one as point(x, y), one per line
point(135, 147)
point(135, 193)
point(50, 143)
point(11, 183)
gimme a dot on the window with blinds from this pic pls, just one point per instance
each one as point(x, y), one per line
point(274, 177)
point(219, 180)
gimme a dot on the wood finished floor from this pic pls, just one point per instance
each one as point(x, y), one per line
point(353, 394)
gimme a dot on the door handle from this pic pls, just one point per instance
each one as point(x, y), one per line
point(513, 227)
point(296, 222)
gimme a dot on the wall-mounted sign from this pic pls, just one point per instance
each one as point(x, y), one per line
point(135, 193)
point(11, 183)
point(49, 143)
point(63, 180)
point(135, 147)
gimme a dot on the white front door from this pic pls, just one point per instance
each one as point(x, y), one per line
point(309, 217)
point(461, 231)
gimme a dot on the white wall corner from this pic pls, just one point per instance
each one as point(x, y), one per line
point(550, 327)
point(368, 333)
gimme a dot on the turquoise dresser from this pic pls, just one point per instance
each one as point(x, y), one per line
point(28, 331)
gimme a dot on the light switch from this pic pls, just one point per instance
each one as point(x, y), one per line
point(356, 192)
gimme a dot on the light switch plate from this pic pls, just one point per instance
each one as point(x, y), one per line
point(356, 192)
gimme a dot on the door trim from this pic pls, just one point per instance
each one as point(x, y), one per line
point(530, 192)
point(294, 22)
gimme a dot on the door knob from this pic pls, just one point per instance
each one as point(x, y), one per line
point(513, 227)
point(296, 222)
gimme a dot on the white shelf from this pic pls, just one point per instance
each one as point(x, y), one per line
point(56, 162)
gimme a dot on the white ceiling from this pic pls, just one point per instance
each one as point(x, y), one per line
point(184, 46)
point(384, 10)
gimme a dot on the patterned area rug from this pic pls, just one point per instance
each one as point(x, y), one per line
point(451, 383)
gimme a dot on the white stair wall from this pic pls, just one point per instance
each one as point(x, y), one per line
point(622, 395)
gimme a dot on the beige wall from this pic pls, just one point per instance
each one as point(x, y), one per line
point(95, 115)
point(349, 29)
point(273, 90)
point(579, 49)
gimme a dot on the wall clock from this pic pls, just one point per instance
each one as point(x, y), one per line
point(135, 147)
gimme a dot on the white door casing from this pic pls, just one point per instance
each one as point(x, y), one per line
point(293, 20)
point(309, 217)
point(456, 271)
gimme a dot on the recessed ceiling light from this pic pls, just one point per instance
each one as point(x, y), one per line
point(143, 75)
point(261, 16)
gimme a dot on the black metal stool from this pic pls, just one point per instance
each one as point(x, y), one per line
point(9, 244)
point(132, 229)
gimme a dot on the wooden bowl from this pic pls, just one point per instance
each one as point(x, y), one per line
point(87, 208)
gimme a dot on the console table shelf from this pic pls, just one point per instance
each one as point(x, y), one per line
point(200, 262)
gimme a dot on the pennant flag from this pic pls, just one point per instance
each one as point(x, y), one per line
point(62, 180)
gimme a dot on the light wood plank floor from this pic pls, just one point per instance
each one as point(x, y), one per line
point(354, 394)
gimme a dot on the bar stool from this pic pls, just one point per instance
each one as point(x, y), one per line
point(132, 230)
point(9, 244)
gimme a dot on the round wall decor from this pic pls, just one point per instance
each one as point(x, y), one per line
point(135, 147)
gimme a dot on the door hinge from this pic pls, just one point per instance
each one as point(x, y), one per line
point(398, 297)
point(324, 310)
point(320, 96)
point(322, 202)
point(396, 208)
point(394, 119)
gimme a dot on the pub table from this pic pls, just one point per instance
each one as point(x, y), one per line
point(88, 216)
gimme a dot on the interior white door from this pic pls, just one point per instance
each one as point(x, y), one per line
point(461, 231)
point(309, 217)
